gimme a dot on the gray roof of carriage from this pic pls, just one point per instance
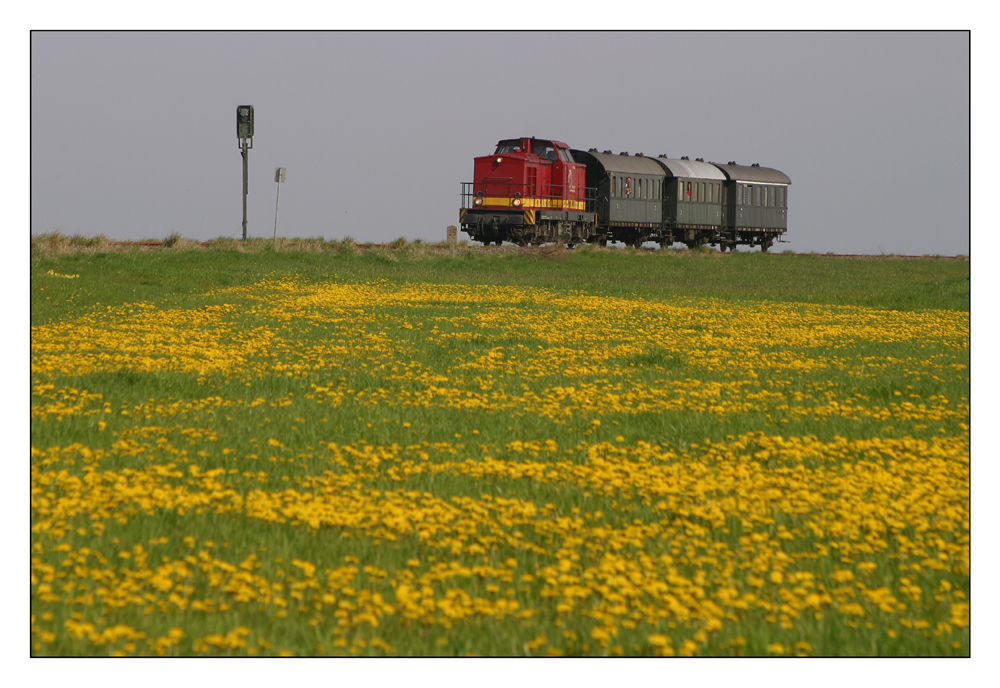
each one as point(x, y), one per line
point(691, 168)
point(625, 164)
point(756, 175)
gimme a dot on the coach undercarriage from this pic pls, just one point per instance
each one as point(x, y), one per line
point(496, 227)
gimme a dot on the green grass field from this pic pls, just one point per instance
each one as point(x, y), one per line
point(322, 449)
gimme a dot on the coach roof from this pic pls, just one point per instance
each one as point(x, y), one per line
point(691, 168)
point(623, 164)
point(753, 174)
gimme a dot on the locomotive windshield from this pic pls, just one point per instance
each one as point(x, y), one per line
point(546, 151)
point(543, 149)
point(508, 146)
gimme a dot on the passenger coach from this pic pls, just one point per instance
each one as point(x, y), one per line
point(755, 211)
point(629, 192)
point(692, 201)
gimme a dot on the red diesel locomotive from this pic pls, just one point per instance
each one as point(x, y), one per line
point(530, 191)
point(533, 191)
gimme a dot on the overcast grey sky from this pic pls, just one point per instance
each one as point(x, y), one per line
point(133, 133)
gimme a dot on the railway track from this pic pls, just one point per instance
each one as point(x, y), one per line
point(858, 256)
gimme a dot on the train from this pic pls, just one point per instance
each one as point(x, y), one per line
point(532, 191)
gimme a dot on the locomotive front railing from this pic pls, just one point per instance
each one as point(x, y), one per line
point(501, 192)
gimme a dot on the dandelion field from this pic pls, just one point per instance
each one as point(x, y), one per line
point(392, 454)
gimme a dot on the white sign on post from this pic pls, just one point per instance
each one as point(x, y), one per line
point(279, 179)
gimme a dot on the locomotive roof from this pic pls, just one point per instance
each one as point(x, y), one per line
point(691, 168)
point(627, 164)
point(560, 144)
point(749, 173)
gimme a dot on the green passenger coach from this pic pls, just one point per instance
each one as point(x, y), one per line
point(692, 201)
point(629, 190)
point(755, 211)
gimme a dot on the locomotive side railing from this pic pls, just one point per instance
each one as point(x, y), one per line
point(495, 189)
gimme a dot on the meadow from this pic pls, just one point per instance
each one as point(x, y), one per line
point(313, 448)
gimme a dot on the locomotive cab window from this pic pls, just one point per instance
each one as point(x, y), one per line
point(545, 152)
point(508, 147)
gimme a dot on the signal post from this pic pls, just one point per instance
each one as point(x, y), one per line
point(244, 132)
